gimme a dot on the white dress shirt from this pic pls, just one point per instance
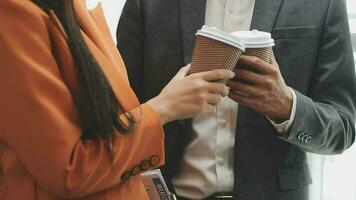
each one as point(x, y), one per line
point(208, 162)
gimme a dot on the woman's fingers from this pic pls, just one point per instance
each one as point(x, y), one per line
point(213, 98)
point(218, 88)
point(183, 72)
point(214, 75)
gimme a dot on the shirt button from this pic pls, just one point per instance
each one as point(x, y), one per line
point(230, 11)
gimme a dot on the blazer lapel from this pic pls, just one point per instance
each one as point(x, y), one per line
point(192, 19)
point(104, 55)
point(265, 14)
point(88, 24)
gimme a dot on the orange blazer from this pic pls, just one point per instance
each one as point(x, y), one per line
point(42, 156)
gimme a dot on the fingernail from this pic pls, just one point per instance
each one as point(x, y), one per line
point(232, 74)
point(226, 91)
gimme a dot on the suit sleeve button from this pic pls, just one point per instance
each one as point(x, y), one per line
point(154, 161)
point(300, 136)
point(308, 139)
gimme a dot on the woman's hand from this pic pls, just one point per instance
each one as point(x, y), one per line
point(186, 96)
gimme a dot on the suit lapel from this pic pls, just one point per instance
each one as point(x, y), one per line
point(192, 18)
point(264, 17)
point(265, 14)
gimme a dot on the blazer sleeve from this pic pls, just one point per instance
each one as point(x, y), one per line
point(130, 42)
point(325, 121)
point(39, 120)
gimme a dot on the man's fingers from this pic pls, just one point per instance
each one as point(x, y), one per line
point(249, 90)
point(246, 75)
point(243, 99)
point(214, 75)
point(255, 63)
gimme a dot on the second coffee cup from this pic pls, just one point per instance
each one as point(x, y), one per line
point(257, 43)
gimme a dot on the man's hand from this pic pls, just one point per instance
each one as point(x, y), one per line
point(263, 88)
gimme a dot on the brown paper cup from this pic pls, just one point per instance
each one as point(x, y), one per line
point(257, 43)
point(210, 54)
point(264, 54)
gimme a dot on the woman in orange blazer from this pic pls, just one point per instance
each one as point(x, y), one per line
point(70, 125)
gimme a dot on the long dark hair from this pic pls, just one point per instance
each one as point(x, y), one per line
point(98, 106)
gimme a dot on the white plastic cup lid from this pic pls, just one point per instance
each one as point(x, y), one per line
point(255, 38)
point(222, 36)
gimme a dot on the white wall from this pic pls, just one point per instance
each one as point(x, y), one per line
point(112, 9)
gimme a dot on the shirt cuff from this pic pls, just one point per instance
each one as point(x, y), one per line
point(284, 126)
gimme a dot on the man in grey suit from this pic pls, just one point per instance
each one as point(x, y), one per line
point(303, 102)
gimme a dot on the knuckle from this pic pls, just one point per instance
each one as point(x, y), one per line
point(195, 76)
point(269, 83)
point(258, 105)
point(274, 72)
point(201, 98)
point(219, 74)
point(203, 109)
point(199, 83)
point(221, 87)
point(256, 60)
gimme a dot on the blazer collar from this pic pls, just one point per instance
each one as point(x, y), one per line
point(108, 62)
point(89, 25)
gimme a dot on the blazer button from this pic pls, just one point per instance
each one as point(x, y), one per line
point(145, 165)
point(125, 176)
point(154, 161)
point(135, 170)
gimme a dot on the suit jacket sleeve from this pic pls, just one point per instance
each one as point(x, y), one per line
point(325, 119)
point(130, 42)
point(39, 119)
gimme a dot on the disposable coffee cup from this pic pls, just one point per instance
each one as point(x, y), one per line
point(215, 49)
point(257, 43)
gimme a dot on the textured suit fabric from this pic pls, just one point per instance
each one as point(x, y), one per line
point(313, 49)
point(42, 155)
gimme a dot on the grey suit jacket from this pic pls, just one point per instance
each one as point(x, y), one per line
point(313, 49)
